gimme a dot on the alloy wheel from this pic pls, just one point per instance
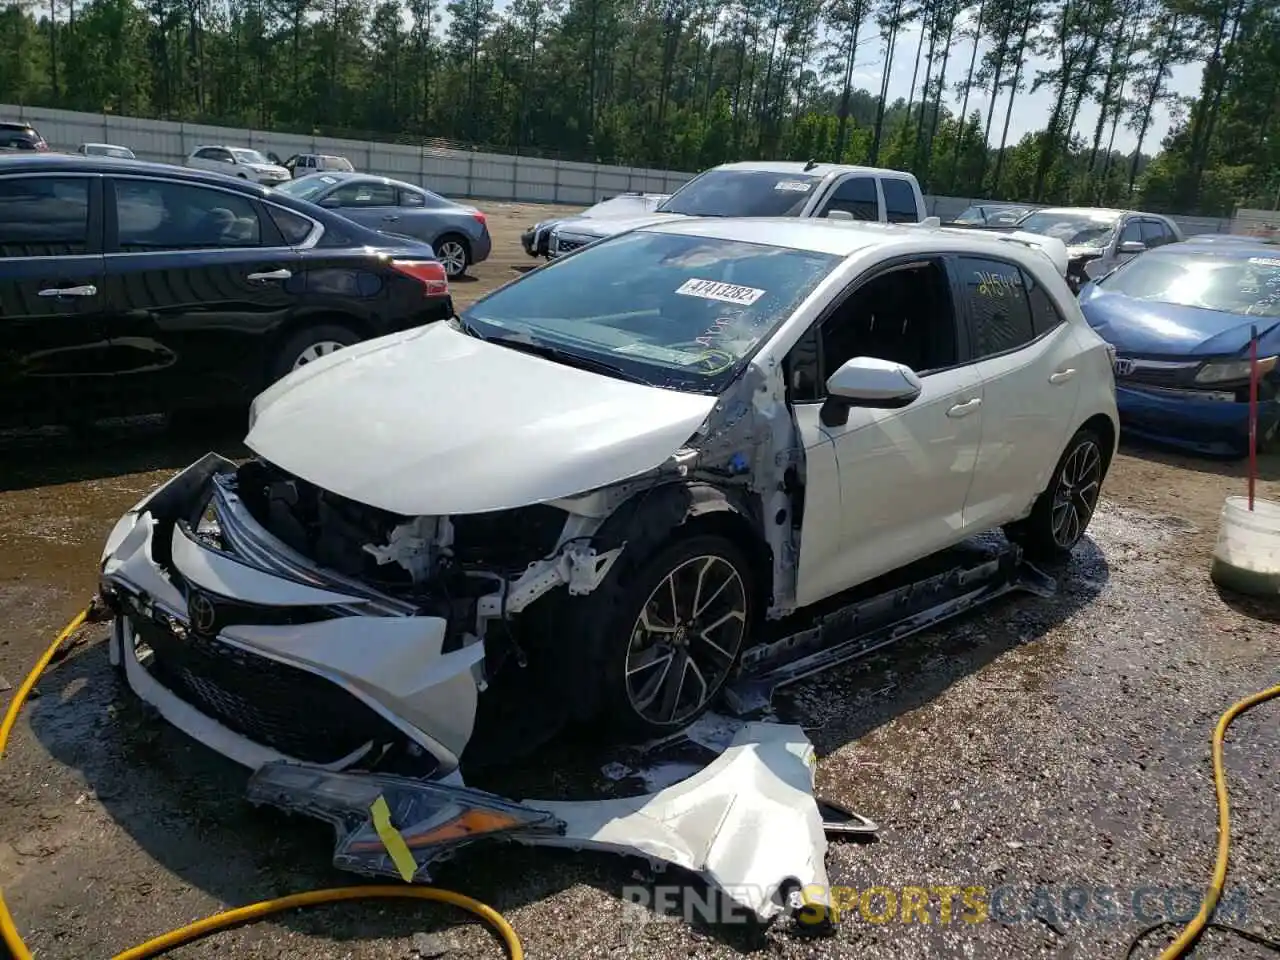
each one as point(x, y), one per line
point(454, 257)
point(685, 640)
point(317, 350)
point(1076, 496)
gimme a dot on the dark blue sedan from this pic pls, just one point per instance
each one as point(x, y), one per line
point(1180, 319)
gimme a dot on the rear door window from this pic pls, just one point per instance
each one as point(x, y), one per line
point(44, 216)
point(999, 311)
point(366, 194)
point(899, 201)
point(155, 215)
point(856, 196)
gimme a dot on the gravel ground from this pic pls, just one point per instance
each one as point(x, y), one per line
point(1052, 752)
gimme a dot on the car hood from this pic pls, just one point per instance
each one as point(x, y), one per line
point(435, 422)
point(610, 226)
point(267, 168)
point(1165, 329)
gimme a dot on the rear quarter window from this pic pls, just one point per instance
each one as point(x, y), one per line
point(899, 201)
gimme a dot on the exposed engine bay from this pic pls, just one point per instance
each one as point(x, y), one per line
point(468, 570)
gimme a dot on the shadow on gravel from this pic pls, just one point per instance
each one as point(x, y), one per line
point(183, 805)
point(1256, 608)
point(1237, 467)
point(113, 448)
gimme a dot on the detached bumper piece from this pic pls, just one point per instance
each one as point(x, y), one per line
point(747, 824)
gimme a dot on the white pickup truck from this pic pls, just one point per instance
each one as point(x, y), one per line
point(766, 189)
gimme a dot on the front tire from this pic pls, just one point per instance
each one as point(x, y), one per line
point(1061, 513)
point(673, 634)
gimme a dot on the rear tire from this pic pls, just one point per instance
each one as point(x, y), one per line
point(453, 251)
point(1061, 513)
point(310, 344)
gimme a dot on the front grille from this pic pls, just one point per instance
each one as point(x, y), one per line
point(1160, 373)
point(287, 709)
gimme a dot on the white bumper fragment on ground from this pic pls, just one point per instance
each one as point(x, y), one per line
point(747, 824)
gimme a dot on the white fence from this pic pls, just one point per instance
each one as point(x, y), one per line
point(455, 173)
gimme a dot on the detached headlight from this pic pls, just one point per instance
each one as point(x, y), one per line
point(1220, 371)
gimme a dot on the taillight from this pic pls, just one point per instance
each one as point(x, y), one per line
point(480, 216)
point(41, 145)
point(429, 273)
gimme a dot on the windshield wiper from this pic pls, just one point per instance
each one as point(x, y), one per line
point(548, 352)
point(470, 329)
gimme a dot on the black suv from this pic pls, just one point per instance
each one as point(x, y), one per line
point(21, 136)
point(129, 287)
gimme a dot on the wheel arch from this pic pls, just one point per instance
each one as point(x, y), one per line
point(1106, 429)
point(297, 323)
point(651, 519)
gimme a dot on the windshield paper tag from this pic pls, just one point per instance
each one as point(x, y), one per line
point(726, 292)
point(328, 179)
point(1265, 261)
point(794, 186)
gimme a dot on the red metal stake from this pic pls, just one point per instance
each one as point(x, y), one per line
point(1253, 411)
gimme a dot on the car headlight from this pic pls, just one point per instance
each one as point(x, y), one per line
point(1220, 371)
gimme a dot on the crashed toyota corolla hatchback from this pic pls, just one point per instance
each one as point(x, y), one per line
point(578, 499)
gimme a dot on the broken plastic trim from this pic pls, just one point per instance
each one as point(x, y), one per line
point(710, 824)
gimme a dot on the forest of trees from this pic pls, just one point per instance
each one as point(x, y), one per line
point(685, 84)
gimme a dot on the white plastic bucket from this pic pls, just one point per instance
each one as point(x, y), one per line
point(1247, 557)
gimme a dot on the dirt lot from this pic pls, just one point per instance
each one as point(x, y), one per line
point(1036, 749)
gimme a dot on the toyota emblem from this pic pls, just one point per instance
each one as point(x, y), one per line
point(1123, 366)
point(202, 613)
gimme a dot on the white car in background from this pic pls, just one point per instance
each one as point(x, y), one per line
point(586, 496)
point(765, 188)
point(242, 162)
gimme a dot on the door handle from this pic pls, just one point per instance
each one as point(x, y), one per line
point(280, 274)
point(1062, 376)
point(88, 290)
point(391, 216)
point(966, 408)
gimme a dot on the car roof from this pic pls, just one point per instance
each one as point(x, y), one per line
point(818, 170)
point(838, 237)
point(79, 163)
point(15, 125)
point(94, 143)
point(343, 175)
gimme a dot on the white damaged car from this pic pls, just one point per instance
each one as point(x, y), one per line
point(585, 497)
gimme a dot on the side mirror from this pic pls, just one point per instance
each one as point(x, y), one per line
point(330, 203)
point(868, 382)
point(1133, 246)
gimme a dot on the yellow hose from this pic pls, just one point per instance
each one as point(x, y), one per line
point(1193, 929)
point(254, 911)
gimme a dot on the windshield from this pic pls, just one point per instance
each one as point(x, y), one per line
point(248, 156)
point(1247, 285)
point(674, 311)
point(1073, 229)
point(742, 193)
point(308, 187)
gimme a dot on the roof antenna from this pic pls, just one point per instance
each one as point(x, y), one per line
point(810, 165)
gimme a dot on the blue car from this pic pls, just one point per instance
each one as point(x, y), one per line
point(1180, 319)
